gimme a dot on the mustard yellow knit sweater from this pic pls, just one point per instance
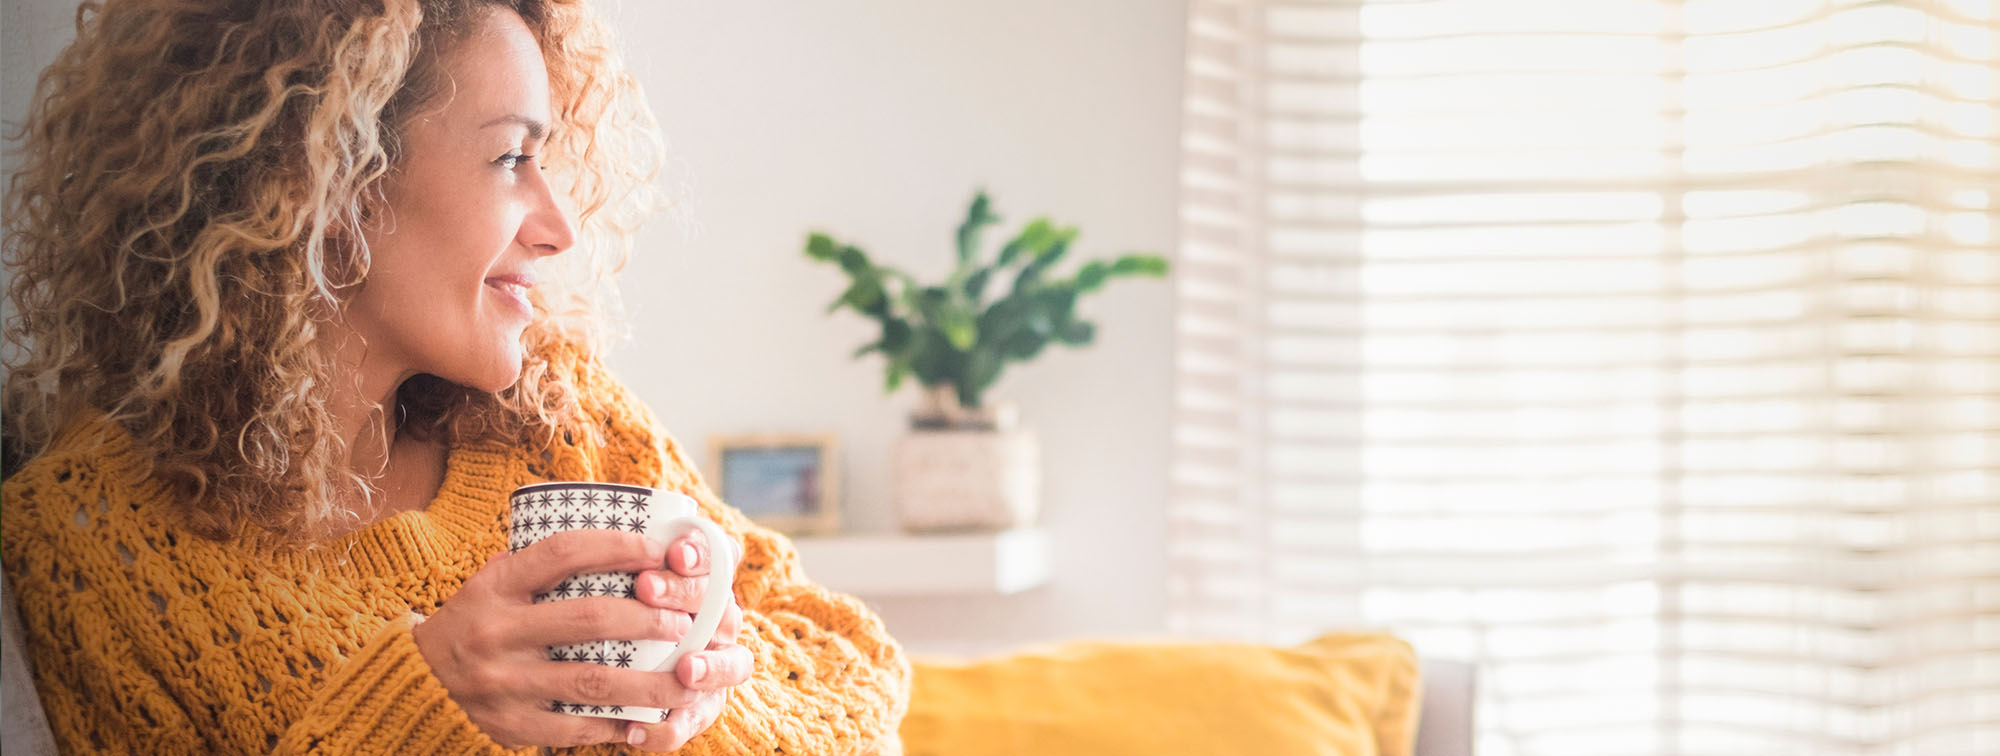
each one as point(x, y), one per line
point(146, 639)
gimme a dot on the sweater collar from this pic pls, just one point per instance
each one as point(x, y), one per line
point(464, 523)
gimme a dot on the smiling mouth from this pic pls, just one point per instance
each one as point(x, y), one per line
point(515, 287)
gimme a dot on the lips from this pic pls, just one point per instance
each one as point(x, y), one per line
point(515, 286)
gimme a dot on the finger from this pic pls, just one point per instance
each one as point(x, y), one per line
point(725, 631)
point(595, 618)
point(689, 554)
point(686, 722)
point(547, 728)
point(682, 724)
point(667, 590)
point(606, 685)
point(555, 558)
point(718, 669)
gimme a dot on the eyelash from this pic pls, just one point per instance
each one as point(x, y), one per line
point(513, 160)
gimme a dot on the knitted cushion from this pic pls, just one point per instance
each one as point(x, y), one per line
point(1345, 694)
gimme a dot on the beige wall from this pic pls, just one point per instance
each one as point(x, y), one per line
point(875, 121)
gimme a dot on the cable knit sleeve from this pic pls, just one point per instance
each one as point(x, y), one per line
point(829, 680)
point(144, 639)
point(384, 699)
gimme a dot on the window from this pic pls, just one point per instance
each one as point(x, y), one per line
point(1645, 353)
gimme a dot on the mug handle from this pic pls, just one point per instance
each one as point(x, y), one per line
point(722, 559)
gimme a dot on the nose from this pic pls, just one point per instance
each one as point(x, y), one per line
point(546, 230)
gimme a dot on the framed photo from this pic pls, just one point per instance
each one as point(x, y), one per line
point(787, 482)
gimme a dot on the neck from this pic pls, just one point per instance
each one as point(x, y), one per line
point(364, 407)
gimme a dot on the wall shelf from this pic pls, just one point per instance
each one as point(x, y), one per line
point(943, 564)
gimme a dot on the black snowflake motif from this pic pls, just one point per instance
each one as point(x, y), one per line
point(566, 521)
point(562, 589)
point(624, 659)
point(595, 658)
point(638, 525)
point(614, 522)
point(617, 709)
point(597, 709)
point(589, 588)
point(541, 598)
point(631, 591)
point(558, 654)
point(557, 706)
point(590, 520)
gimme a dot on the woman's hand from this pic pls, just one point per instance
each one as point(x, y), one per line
point(709, 673)
point(488, 644)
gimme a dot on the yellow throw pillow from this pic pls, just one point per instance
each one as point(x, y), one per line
point(1339, 695)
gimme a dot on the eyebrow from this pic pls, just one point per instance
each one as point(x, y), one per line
point(536, 129)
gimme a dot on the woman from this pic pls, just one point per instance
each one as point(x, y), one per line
point(289, 329)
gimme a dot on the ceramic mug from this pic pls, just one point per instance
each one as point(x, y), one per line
point(545, 509)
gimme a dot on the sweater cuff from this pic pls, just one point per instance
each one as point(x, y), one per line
point(385, 700)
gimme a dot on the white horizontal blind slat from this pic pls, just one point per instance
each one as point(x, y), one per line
point(1647, 353)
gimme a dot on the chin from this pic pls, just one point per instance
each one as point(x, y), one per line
point(497, 370)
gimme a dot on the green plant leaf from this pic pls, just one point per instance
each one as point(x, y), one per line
point(1140, 265)
point(864, 295)
point(975, 284)
point(1077, 333)
point(854, 261)
point(897, 369)
point(1092, 276)
point(1057, 245)
point(1023, 345)
point(977, 218)
point(895, 335)
point(1038, 234)
point(982, 369)
point(933, 359)
point(822, 247)
point(959, 329)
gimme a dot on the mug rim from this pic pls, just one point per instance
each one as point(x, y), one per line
point(551, 485)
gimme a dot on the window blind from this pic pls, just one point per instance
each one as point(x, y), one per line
point(1646, 354)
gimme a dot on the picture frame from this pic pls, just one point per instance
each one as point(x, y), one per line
point(789, 482)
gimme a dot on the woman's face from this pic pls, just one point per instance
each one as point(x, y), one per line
point(469, 214)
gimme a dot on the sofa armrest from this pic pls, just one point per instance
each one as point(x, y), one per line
point(1444, 724)
point(22, 725)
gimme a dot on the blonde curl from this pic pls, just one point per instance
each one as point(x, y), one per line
point(187, 220)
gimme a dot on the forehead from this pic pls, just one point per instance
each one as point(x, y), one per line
point(496, 70)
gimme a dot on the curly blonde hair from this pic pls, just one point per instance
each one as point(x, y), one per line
point(194, 183)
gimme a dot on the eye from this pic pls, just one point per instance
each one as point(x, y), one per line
point(512, 160)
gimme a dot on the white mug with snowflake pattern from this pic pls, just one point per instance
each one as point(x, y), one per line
point(545, 509)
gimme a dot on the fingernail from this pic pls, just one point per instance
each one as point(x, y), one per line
point(656, 586)
point(635, 735)
point(697, 669)
point(689, 556)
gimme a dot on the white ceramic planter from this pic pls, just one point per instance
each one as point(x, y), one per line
point(967, 479)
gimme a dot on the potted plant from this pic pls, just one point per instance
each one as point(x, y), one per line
point(966, 462)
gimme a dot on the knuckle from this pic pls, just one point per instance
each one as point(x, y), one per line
point(562, 548)
point(590, 616)
point(487, 679)
point(670, 625)
point(583, 733)
point(591, 683)
point(661, 696)
point(482, 638)
point(686, 591)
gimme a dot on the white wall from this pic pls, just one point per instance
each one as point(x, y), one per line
point(875, 121)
